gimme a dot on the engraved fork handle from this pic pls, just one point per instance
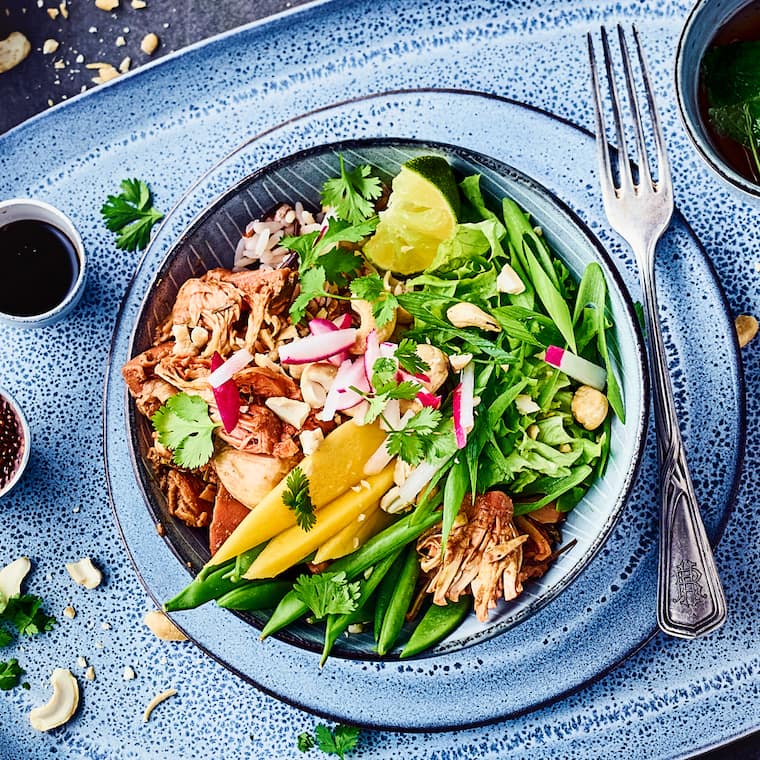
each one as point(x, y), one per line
point(690, 599)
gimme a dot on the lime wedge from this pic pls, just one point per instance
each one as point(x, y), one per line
point(422, 212)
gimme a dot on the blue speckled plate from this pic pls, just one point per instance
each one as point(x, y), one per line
point(210, 242)
point(614, 602)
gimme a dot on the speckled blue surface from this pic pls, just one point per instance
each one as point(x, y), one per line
point(172, 122)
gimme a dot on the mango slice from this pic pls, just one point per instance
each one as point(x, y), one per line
point(332, 469)
point(294, 544)
point(354, 534)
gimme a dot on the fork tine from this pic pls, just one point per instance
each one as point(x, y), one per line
point(603, 153)
point(624, 166)
point(645, 170)
point(662, 155)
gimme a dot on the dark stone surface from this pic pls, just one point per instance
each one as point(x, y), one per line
point(92, 34)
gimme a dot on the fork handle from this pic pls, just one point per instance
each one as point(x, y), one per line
point(690, 598)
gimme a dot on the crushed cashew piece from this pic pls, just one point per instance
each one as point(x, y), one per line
point(149, 43)
point(120, 41)
point(162, 627)
point(89, 674)
point(53, 13)
point(63, 9)
point(746, 328)
point(128, 674)
point(139, 4)
point(69, 612)
point(156, 701)
point(59, 65)
point(85, 573)
point(50, 46)
point(81, 661)
point(79, 58)
point(105, 626)
point(107, 5)
point(12, 576)
point(125, 64)
point(105, 74)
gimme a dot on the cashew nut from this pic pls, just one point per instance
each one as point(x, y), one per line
point(316, 380)
point(438, 366)
point(401, 471)
point(62, 705)
point(390, 502)
point(310, 440)
point(508, 281)
point(12, 576)
point(289, 410)
point(162, 627)
point(367, 324)
point(746, 328)
point(589, 407)
point(526, 405)
point(468, 315)
point(85, 573)
point(459, 361)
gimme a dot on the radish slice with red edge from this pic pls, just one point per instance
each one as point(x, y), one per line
point(226, 396)
point(429, 399)
point(318, 326)
point(340, 396)
point(463, 403)
point(224, 372)
point(343, 322)
point(315, 348)
point(577, 367)
point(388, 349)
point(371, 355)
point(418, 478)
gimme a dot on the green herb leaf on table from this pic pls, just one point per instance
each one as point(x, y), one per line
point(184, 426)
point(5, 637)
point(131, 215)
point(339, 741)
point(24, 612)
point(352, 193)
point(327, 594)
point(297, 498)
point(10, 674)
point(305, 741)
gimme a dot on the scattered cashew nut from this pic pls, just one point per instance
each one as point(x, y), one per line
point(61, 706)
point(438, 366)
point(289, 410)
point(468, 315)
point(526, 405)
point(508, 281)
point(316, 380)
point(367, 324)
point(589, 407)
point(162, 627)
point(310, 440)
point(85, 573)
point(746, 328)
point(13, 49)
point(459, 361)
point(12, 576)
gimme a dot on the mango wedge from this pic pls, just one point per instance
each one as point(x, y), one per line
point(354, 534)
point(332, 469)
point(294, 544)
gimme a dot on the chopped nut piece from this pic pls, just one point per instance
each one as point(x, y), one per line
point(156, 701)
point(59, 65)
point(139, 4)
point(459, 361)
point(79, 58)
point(85, 573)
point(107, 5)
point(149, 43)
point(746, 328)
point(128, 674)
point(89, 674)
point(50, 46)
point(106, 73)
point(105, 626)
point(468, 315)
point(589, 407)
point(162, 627)
point(63, 9)
point(120, 41)
point(125, 64)
point(81, 661)
point(69, 612)
point(62, 705)
point(53, 13)
point(12, 576)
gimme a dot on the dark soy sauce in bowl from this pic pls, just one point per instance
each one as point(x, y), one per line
point(743, 26)
point(38, 267)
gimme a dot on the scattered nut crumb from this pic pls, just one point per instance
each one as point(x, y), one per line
point(98, 645)
point(53, 13)
point(128, 674)
point(157, 700)
point(124, 68)
point(69, 612)
point(81, 661)
point(105, 626)
point(79, 58)
point(40, 3)
point(93, 30)
point(163, 627)
point(89, 674)
point(50, 46)
point(84, 572)
point(59, 65)
point(139, 4)
point(149, 43)
point(746, 328)
point(160, 526)
point(50, 102)
point(120, 41)
point(107, 5)
point(13, 49)
point(63, 9)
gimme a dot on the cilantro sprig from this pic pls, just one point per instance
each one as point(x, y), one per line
point(184, 426)
point(131, 215)
point(371, 288)
point(408, 358)
point(298, 499)
point(327, 594)
point(10, 674)
point(416, 438)
point(352, 193)
point(338, 741)
point(25, 613)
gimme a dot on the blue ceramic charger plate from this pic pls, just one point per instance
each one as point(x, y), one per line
point(168, 123)
point(612, 602)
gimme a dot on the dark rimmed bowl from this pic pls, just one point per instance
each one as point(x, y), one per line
point(15, 436)
point(209, 240)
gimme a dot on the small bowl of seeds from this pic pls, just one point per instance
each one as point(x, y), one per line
point(14, 442)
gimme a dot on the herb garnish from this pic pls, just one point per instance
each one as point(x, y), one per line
point(24, 613)
point(297, 498)
point(338, 741)
point(352, 193)
point(416, 438)
point(372, 289)
point(184, 426)
point(325, 594)
point(409, 359)
point(131, 215)
point(10, 674)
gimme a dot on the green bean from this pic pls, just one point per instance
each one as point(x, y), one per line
point(255, 595)
point(400, 602)
point(437, 623)
point(203, 589)
point(384, 543)
point(336, 624)
point(384, 594)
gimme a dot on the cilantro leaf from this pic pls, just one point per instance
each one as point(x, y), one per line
point(131, 215)
point(409, 359)
point(383, 374)
point(312, 286)
point(10, 674)
point(5, 637)
point(327, 594)
point(371, 288)
point(305, 741)
point(339, 264)
point(184, 426)
point(416, 438)
point(339, 741)
point(23, 611)
point(351, 193)
point(297, 498)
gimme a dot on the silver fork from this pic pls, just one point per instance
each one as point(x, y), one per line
point(690, 599)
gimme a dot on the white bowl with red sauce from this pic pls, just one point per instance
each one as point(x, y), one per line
point(14, 442)
point(42, 263)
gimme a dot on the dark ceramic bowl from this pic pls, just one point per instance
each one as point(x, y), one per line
point(14, 442)
point(209, 241)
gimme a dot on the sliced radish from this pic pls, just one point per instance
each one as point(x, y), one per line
point(463, 406)
point(429, 399)
point(418, 478)
point(371, 354)
point(379, 460)
point(314, 348)
point(388, 349)
point(226, 396)
point(340, 396)
point(318, 326)
point(343, 322)
point(224, 371)
point(577, 367)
